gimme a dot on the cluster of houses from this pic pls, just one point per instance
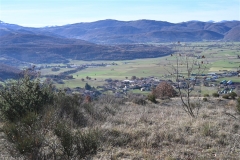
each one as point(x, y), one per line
point(225, 86)
point(147, 84)
point(143, 84)
point(223, 74)
point(78, 90)
point(120, 87)
point(228, 87)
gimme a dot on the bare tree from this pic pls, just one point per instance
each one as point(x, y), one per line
point(187, 71)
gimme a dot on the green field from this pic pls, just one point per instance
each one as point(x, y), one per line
point(221, 57)
point(48, 71)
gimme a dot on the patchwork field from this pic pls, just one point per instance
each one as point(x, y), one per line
point(219, 57)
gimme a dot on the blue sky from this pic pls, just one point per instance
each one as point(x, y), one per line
point(40, 13)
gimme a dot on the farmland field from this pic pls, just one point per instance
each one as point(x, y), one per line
point(219, 56)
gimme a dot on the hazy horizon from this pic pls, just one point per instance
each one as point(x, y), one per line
point(42, 13)
point(114, 20)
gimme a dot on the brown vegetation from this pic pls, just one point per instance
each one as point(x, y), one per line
point(159, 131)
point(164, 90)
point(7, 72)
point(47, 49)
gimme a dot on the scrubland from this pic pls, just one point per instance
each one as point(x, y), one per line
point(131, 128)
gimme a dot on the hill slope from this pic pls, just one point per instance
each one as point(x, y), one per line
point(7, 72)
point(233, 34)
point(47, 49)
point(140, 31)
point(113, 31)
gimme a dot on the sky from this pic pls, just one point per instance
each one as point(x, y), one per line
point(41, 13)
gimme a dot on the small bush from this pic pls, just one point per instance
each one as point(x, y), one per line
point(238, 100)
point(152, 98)
point(110, 99)
point(238, 108)
point(215, 94)
point(233, 95)
point(206, 129)
point(195, 105)
point(116, 137)
point(137, 99)
point(205, 99)
point(25, 95)
point(66, 139)
point(87, 143)
point(226, 96)
point(238, 105)
point(206, 95)
point(25, 134)
point(164, 89)
point(78, 145)
point(69, 106)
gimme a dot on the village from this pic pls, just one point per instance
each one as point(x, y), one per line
point(120, 88)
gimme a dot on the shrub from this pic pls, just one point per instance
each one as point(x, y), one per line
point(152, 98)
point(195, 104)
point(87, 86)
point(116, 137)
point(25, 134)
point(238, 100)
point(133, 77)
point(69, 106)
point(137, 99)
point(78, 145)
point(233, 95)
point(206, 129)
point(206, 95)
point(32, 112)
point(23, 106)
point(66, 139)
point(110, 99)
point(238, 105)
point(87, 143)
point(226, 96)
point(25, 95)
point(164, 89)
point(215, 94)
point(205, 99)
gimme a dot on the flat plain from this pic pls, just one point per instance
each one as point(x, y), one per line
point(219, 57)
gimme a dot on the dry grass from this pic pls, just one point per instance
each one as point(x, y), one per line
point(164, 131)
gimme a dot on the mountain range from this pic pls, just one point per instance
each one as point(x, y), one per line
point(105, 39)
point(140, 31)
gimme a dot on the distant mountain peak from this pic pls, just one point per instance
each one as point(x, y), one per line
point(194, 21)
point(211, 21)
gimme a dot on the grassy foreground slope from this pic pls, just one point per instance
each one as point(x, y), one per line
point(38, 123)
point(160, 131)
